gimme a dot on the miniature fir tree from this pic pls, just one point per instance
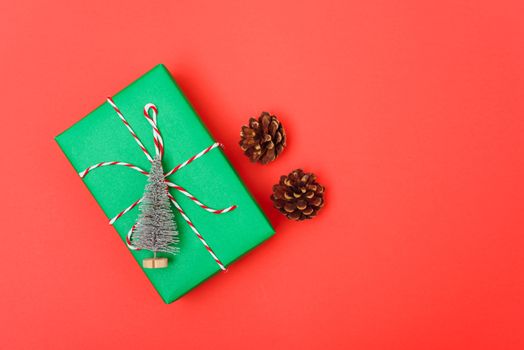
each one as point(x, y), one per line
point(156, 230)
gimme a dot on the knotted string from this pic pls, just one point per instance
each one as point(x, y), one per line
point(150, 113)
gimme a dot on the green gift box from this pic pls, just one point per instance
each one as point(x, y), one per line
point(103, 137)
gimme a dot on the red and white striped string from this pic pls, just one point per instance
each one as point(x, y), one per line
point(193, 158)
point(117, 110)
point(157, 137)
point(150, 113)
point(126, 210)
point(131, 166)
point(202, 240)
point(197, 202)
point(128, 237)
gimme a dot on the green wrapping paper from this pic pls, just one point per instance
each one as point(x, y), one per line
point(101, 136)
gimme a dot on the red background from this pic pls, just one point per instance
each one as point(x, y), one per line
point(410, 112)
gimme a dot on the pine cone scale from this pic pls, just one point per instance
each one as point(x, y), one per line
point(301, 204)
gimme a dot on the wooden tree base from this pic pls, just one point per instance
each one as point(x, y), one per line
point(154, 263)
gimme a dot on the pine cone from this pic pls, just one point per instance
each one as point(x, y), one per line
point(298, 195)
point(263, 139)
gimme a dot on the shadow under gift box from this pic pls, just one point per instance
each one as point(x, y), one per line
point(101, 136)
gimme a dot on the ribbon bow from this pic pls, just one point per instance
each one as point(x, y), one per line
point(150, 113)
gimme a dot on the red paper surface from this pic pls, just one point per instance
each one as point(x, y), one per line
point(410, 112)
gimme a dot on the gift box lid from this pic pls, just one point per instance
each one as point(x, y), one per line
point(102, 137)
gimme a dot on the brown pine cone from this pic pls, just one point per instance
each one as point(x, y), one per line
point(298, 195)
point(263, 139)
